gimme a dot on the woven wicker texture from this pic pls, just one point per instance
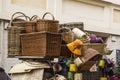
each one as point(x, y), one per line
point(42, 44)
point(47, 25)
point(14, 40)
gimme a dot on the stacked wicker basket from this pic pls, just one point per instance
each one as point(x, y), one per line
point(33, 36)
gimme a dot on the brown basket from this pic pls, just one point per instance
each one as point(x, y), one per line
point(87, 65)
point(43, 44)
point(97, 46)
point(14, 47)
point(28, 23)
point(30, 26)
point(47, 25)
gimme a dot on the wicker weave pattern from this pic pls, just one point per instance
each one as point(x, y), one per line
point(97, 46)
point(47, 25)
point(42, 44)
point(14, 40)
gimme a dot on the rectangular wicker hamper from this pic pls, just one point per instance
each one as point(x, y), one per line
point(97, 46)
point(43, 44)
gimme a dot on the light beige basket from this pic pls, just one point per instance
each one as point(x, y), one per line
point(97, 46)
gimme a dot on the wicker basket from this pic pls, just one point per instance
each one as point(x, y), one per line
point(97, 46)
point(87, 65)
point(43, 44)
point(18, 19)
point(87, 75)
point(30, 26)
point(72, 25)
point(27, 22)
point(47, 25)
point(14, 47)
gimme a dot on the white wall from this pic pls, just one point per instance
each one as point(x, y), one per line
point(96, 15)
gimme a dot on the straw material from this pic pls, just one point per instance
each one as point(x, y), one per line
point(14, 40)
point(47, 25)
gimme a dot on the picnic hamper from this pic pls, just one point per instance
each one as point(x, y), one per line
point(47, 25)
point(44, 44)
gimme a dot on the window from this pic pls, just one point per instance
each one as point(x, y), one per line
point(116, 16)
point(31, 3)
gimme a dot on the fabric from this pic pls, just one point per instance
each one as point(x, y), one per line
point(28, 70)
point(36, 74)
point(25, 66)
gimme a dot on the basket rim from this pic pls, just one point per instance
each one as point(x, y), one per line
point(42, 32)
point(95, 44)
point(45, 20)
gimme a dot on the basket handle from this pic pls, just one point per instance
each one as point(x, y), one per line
point(22, 15)
point(49, 14)
point(34, 18)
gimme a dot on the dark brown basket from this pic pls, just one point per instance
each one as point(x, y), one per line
point(47, 25)
point(43, 44)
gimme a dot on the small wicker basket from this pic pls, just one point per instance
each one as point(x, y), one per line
point(18, 19)
point(47, 25)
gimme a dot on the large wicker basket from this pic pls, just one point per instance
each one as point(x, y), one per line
point(47, 25)
point(43, 44)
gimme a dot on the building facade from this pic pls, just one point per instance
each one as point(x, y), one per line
point(97, 15)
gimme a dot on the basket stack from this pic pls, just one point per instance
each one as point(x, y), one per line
point(40, 37)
